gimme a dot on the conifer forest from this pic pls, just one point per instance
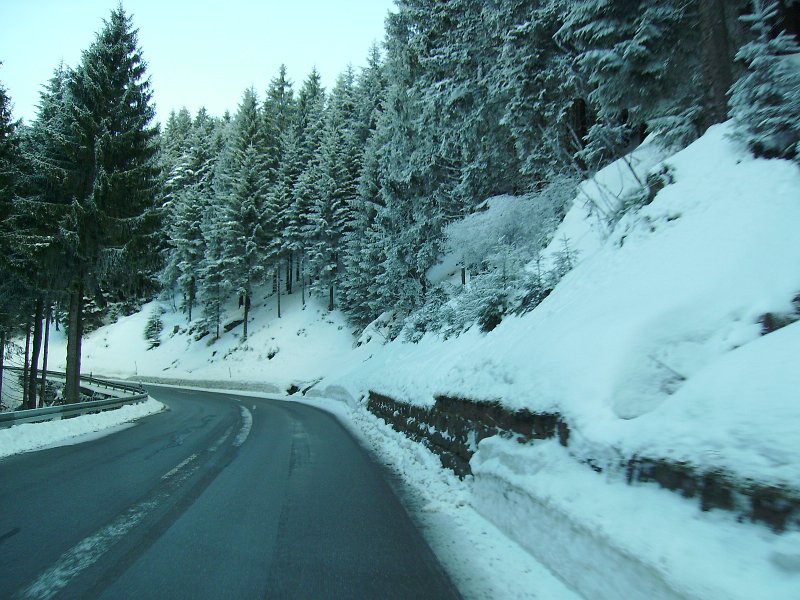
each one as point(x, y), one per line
point(346, 193)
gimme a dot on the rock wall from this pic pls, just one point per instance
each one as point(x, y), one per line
point(452, 428)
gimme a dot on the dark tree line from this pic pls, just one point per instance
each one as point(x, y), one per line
point(81, 214)
point(346, 192)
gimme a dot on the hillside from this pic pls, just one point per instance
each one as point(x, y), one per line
point(662, 342)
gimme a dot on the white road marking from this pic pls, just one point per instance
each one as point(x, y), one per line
point(247, 424)
point(88, 551)
point(84, 554)
point(218, 443)
point(179, 467)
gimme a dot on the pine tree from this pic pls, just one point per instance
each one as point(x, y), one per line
point(112, 217)
point(213, 287)
point(309, 128)
point(9, 169)
point(192, 194)
point(765, 101)
point(9, 152)
point(335, 173)
point(361, 256)
point(535, 85)
point(244, 186)
point(279, 114)
point(638, 69)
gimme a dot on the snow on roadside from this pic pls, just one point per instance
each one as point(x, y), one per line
point(34, 436)
point(586, 525)
point(645, 346)
point(482, 561)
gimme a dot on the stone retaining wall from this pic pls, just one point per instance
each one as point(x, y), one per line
point(452, 428)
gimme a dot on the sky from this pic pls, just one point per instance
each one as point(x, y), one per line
point(199, 52)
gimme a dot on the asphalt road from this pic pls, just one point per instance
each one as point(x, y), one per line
point(222, 496)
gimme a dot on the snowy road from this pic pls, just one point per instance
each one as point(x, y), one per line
point(221, 496)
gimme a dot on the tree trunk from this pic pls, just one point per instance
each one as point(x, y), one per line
point(289, 275)
point(330, 297)
point(463, 275)
point(246, 314)
point(2, 359)
point(302, 280)
point(192, 285)
point(35, 351)
point(717, 58)
point(72, 388)
point(47, 315)
point(25, 366)
point(278, 274)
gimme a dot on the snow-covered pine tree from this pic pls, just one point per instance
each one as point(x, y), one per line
point(113, 219)
point(9, 152)
point(40, 204)
point(361, 258)
point(535, 84)
point(190, 198)
point(638, 69)
point(244, 183)
point(370, 94)
point(410, 174)
point(214, 287)
point(309, 128)
point(174, 141)
point(335, 170)
point(765, 101)
point(279, 114)
point(9, 157)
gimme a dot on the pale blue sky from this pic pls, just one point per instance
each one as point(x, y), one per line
point(199, 52)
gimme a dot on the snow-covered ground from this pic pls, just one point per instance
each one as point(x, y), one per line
point(50, 434)
point(651, 346)
point(305, 344)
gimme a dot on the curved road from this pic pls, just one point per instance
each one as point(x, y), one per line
point(221, 496)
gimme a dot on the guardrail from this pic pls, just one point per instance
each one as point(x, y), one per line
point(48, 413)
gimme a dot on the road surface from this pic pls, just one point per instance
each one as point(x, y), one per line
point(221, 496)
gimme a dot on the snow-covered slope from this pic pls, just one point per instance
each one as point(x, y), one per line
point(651, 346)
point(652, 343)
point(302, 346)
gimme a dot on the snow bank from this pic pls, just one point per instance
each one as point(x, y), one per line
point(33, 436)
point(612, 541)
